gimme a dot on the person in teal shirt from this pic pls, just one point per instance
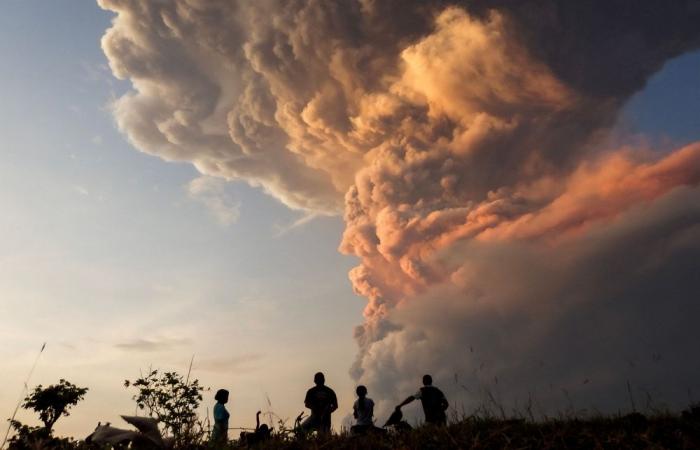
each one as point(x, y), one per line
point(221, 415)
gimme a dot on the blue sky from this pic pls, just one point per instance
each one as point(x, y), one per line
point(105, 255)
point(96, 235)
point(669, 105)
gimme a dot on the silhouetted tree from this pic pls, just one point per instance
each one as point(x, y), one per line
point(169, 398)
point(54, 401)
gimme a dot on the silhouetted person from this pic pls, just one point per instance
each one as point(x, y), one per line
point(433, 400)
point(396, 421)
point(220, 432)
point(363, 412)
point(321, 400)
point(261, 433)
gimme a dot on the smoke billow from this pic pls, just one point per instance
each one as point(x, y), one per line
point(501, 241)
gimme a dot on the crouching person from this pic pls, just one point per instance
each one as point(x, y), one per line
point(261, 434)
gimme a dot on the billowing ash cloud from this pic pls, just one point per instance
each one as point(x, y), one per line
point(502, 243)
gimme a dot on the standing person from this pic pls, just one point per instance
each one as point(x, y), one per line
point(220, 432)
point(363, 412)
point(433, 400)
point(321, 400)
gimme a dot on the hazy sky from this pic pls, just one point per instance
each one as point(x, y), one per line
point(121, 261)
point(107, 257)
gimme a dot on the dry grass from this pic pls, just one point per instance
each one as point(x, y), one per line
point(633, 431)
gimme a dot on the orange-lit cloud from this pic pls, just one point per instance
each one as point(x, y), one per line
point(463, 142)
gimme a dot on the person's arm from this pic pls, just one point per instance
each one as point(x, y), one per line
point(354, 410)
point(334, 401)
point(406, 402)
point(220, 413)
point(307, 399)
point(443, 401)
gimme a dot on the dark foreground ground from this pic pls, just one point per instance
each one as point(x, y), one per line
point(634, 431)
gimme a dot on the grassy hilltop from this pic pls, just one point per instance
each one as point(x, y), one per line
point(170, 422)
point(633, 431)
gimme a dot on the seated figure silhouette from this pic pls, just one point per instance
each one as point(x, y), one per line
point(396, 422)
point(322, 401)
point(261, 433)
point(363, 412)
point(219, 433)
point(433, 401)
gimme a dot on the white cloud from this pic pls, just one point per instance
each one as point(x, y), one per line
point(281, 230)
point(156, 344)
point(212, 193)
point(81, 190)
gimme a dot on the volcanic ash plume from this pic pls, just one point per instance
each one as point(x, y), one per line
point(503, 243)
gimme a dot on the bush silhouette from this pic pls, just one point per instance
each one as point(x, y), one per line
point(172, 400)
point(54, 401)
point(51, 403)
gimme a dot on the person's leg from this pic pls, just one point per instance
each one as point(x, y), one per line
point(325, 425)
point(436, 421)
point(376, 429)
point(359, 429)
point(309, 424)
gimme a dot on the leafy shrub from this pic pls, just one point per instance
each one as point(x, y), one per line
point(172, 400)
point(51, 403)
point(54, 401)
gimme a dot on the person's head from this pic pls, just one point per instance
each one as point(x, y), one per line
point(427, 380)
point(264, 429)
point(361, 391)
point(319, 379)
point(221, 396)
